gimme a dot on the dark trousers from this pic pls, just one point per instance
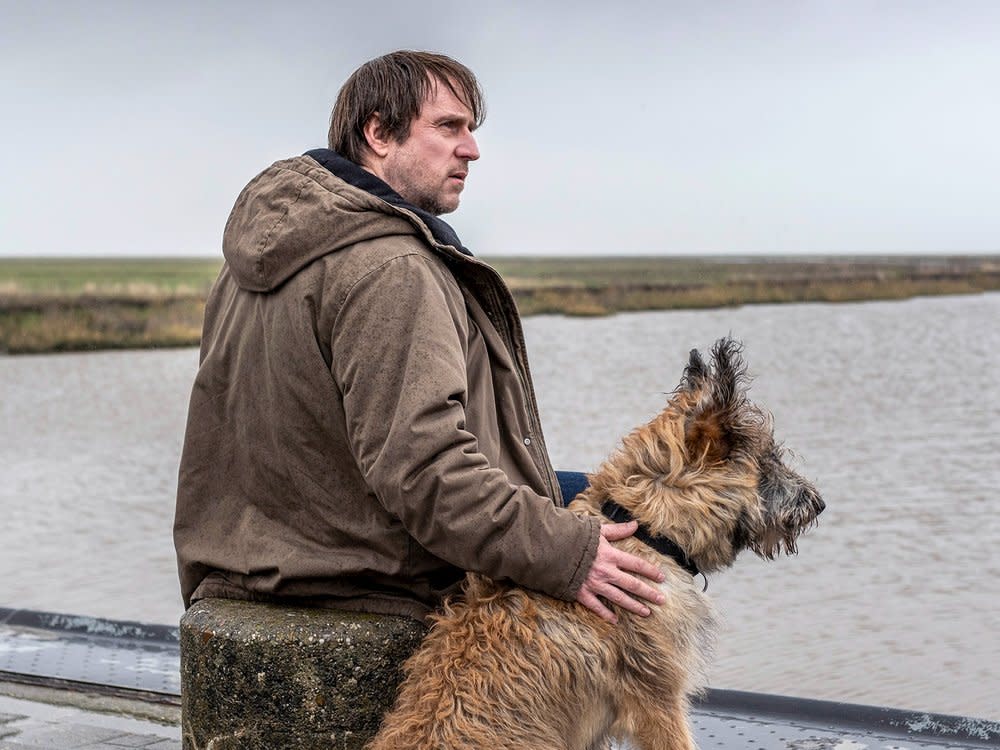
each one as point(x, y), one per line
point(572, 483)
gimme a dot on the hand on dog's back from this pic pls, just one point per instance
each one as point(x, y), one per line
point(614, 575)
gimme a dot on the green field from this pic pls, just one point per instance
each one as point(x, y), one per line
point(99, 303)
point(106, 277)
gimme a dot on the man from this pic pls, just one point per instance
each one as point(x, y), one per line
point(362, 428)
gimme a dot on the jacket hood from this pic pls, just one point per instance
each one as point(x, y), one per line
point(300, 209)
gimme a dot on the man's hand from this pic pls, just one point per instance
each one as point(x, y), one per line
point(611, 576)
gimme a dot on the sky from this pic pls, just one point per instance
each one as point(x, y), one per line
point(628, 128)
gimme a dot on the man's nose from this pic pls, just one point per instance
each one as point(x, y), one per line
point(468, 148)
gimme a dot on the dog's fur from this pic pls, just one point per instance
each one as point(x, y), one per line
point(506, 668)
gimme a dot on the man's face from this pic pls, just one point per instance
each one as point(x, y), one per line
point(429, 168)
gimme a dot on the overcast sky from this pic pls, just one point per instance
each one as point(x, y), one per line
point(128, 128)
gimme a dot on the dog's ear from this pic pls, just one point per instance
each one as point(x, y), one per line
point(711, 429)
point(706, 436)
point(729, 386)
point(696, 373)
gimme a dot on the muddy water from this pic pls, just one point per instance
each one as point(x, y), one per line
point(893, 409)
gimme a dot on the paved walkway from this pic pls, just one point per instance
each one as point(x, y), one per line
point(30, 725)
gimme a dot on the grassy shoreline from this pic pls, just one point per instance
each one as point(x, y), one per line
point(51, 305)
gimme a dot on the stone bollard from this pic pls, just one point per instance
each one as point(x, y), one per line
point(264, 677)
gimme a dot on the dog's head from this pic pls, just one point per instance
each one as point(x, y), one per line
point(707, 472)
point(726, 434)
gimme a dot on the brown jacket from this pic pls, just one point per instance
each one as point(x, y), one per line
point(362, 427)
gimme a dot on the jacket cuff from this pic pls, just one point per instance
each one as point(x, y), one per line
point(586, 560)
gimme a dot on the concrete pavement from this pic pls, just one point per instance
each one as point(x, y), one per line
point(29, 724)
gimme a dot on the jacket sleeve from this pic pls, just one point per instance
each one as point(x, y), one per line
point(399, 357)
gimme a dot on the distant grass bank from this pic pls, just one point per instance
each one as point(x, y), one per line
point(51, 305)
point(77, 304)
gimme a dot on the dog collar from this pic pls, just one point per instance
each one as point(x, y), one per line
point(661, 544)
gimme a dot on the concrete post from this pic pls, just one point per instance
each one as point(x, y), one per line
point(264, 677)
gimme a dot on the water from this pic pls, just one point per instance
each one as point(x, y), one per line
point(891, 408)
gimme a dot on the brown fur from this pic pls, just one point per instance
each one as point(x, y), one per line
point(505, 668)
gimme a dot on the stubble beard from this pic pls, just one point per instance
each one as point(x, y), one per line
point(418, 191)
point(435, 203)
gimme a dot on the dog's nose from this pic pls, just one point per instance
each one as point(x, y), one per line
point(820, 505)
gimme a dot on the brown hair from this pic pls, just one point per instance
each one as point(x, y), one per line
point(395, 86)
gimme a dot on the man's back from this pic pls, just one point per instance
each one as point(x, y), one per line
point(327, 385)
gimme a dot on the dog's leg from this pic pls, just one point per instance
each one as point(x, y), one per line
point(663, 727)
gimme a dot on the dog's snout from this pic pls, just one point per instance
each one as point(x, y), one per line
point(818, 504)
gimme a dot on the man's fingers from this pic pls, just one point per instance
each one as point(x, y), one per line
point(629, 583)
point(595, 605)
point(591, 597)
point(634, 564)
point(616, 595)
point(618, 579)
point(613, 532)
point(616, 531)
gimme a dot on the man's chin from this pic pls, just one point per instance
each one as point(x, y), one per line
point(439, 208)
point(434, 202)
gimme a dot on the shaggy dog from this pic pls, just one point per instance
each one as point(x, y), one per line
point(506, 668)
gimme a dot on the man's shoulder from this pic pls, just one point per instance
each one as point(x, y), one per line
point(387, 260)
point(397, 250)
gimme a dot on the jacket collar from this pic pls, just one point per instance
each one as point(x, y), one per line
point(355, 175)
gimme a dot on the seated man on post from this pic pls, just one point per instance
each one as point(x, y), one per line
point(362, 428)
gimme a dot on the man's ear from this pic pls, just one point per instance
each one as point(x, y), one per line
point(375, 135)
